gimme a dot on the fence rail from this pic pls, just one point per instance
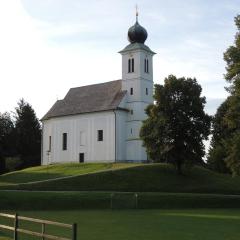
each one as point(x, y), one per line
point(15, 228)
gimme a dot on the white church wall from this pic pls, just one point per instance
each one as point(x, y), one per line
point(143, 74)
point(139, 56)
point(138, 111)
point(139, 87)
point(82, 133)
point(121, 117)
point(135, 151)
point(137, 100)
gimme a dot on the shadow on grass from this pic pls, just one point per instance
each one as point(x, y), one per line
point(207, 216)
point(24, 177)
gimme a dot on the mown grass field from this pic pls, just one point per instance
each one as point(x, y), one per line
point(121, 177)
point(200, 205)
point(21, 200)
point(198, 224)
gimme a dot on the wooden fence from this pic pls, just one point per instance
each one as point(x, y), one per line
point(42, 235)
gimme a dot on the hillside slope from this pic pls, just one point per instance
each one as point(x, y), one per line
point(141, 178)
point(57, 171)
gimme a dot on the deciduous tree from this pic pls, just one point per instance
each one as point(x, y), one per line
point(177, 124)
point(220, 135)
point(7, 143)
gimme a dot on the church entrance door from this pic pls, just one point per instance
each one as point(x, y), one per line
point(81, 157)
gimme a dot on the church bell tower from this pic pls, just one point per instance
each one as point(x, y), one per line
point(137, 80)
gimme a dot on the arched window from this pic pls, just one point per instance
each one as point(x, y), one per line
point(129, 65)
point(146, 65)
point(132, 64)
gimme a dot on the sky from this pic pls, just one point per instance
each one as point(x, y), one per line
point(49, 46)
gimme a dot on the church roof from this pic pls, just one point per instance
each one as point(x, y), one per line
point(136, 46)
point(87, 99)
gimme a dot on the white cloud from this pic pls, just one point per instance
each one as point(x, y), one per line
point(38, 71)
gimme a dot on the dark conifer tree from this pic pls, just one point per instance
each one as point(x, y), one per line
point(28, 135)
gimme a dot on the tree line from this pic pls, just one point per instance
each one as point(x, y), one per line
point(224, 154)
point(20, 138)
point(177, 124)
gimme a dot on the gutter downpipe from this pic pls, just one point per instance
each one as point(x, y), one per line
point(115, 135)
point(42, 144)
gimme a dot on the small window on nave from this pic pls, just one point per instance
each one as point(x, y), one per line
point(64, 141)
point(100, 135)
point(50, 144)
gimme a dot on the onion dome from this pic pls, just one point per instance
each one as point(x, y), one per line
point(137, 33)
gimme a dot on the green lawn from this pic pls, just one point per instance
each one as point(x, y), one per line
point(18, 201)
point(198, 224)
point(58, 170)
point(123, 177)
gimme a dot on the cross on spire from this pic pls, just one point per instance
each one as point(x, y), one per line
point(136, 12)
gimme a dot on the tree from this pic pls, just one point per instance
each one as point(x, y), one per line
point(232, 58)
point(177, 124)
point(6, 139)
point(232, 159)
point(28, 134)
point(232, 116)
point(220, 134)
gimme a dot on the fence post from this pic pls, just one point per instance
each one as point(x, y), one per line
point(111, 200)
point(15, 237)
point(74, 231)
point(43, 231)
point(136, 201)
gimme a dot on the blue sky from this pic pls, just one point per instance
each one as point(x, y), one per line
point(49, 46)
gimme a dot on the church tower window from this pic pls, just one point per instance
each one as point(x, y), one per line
point(146, 65)
point(130, 65)
point(64, 141)
point(146, 91)
point(131, 91)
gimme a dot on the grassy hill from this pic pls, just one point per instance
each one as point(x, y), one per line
point(121, 177)
point(57, 171)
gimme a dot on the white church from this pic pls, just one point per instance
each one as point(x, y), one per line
point(101, 122)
